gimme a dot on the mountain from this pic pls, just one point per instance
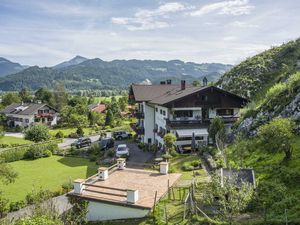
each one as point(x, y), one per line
point(97, 74)
point(8, 67)
point(76, 60)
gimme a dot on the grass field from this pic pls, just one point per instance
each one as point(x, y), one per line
point(106, 99)
point(13, 140)
point(48, 173)
point(67, 131)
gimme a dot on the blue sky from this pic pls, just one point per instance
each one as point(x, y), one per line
point(46, 32)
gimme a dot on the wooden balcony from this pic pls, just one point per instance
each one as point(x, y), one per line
point(139, 115)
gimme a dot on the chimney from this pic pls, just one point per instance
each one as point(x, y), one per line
point(163, 82)
point(121, 163)
point(78, 186)
point(169, 81)
point(163, 167)
point(183, 85)
point(103, 173)
point(132, 196)
point(204, 82)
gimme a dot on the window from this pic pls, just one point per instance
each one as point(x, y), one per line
point(164, 112)
point(156, 109)
point(160, 111)
point(183, 113)
point(224, 112)
point(26, 120)
point(46, 111)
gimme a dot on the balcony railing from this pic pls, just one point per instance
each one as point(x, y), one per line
point(139, 115)
point(197, 122)
point(187, 122)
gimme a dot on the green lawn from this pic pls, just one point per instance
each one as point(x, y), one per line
point(67, 131)
point(48, 173)
point(13, 140)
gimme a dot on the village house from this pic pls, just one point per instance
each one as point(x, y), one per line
point(123, 193)
point(99, 108)
point(183, 110)
point(28, 114)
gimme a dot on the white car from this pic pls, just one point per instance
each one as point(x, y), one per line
point(122, 151)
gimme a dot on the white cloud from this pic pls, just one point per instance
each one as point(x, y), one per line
point(150, 19)
point(230, 38)
point(233, 7)
point(243, 25)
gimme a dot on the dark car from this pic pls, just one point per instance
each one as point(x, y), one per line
point(106, 143)
point(119, 135)
point(82, 142)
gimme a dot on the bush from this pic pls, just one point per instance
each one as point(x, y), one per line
point(37, 133)
point(94, 149)
point(59, 134)
point(47, 153)
point(15, 206)
point(80, 132)
point(166, 156)
point(93, 158)
point(73, 135)
point(38, 196)
point(14, 154)
point(111, 153)
point(34, 152)
point(188, 166)
point(67, 186)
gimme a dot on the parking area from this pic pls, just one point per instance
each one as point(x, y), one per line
point(137, 156)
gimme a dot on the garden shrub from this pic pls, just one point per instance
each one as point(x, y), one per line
point(111, 153)
point(14, 154)
point(15, 206)
point(34, 152)
point(37, 196)
point(47, 153)
point(67, 186)
point(59, 134)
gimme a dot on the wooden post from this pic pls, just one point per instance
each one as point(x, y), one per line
point(154, 207)
point(168, 189)
point(173, 193)
point(166, 214)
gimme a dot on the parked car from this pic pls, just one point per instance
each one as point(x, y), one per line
point(122, 151)
point(82, 142)
point(119, 135)
point(106, 143)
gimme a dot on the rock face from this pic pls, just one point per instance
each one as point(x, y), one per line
point(250, 125)
point(292, 110)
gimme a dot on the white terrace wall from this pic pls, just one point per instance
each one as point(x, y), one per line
point(98, 211)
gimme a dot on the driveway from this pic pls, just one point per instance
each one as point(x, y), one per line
point(14, 134)
point(138, 157)
point(68, 141)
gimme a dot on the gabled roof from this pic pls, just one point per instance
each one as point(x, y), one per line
point(145, 93)
point(163, 94)
point(175, 94)
point(241, 175)
point(24, 108)
point(100, 108)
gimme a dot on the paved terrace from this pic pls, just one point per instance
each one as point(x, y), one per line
point(114, 189)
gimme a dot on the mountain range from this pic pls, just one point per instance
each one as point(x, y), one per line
point(8, 67)
point(81, 73)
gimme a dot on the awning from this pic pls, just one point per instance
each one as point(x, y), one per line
point(189, 132)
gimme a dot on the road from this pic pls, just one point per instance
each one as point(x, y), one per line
point(68, 141)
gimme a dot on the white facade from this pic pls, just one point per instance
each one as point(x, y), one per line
point(98, 211)
point(148, 123)
point(156, 116)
